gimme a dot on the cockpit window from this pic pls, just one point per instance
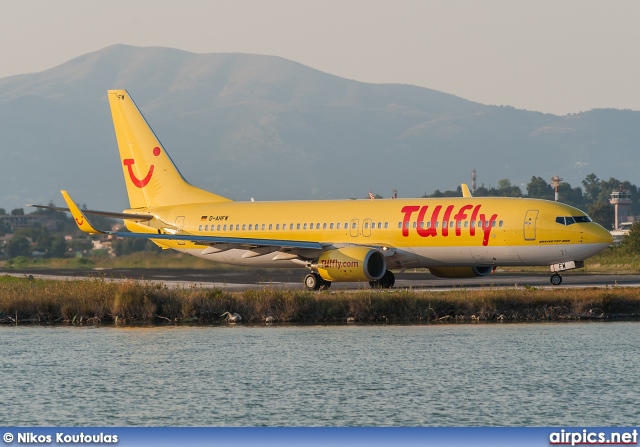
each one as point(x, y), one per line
point(569, 220)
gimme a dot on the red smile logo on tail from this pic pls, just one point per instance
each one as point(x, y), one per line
point(129, 162)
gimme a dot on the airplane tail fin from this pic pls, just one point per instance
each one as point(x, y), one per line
point(151, 177)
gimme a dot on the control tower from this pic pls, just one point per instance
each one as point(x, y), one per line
point(621, 200)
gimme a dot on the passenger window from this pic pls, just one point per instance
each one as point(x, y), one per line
point(218, 227)
point(311, 227)
point(244, 227)
point(277, 226)
point(451, 224)
point(386, 224)
point(466, 223)
point(473, 224)
point(324, 226)
point(500, 224)
point(200, 228)
point(270, 227)
point(297, 226)
point(331, 226)
point(250, 227)
point(493, 224)
point(291, 226)
point(225, 228)
point(415, 224)
point(305, 226)
point(399, 224)
point(338, 226)
point(366, 225)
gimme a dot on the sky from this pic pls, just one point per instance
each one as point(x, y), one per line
point(552, 56)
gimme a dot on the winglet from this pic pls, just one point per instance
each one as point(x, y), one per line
point(465, 190)
point(78, 216)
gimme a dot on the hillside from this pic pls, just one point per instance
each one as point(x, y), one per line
point(247, 126)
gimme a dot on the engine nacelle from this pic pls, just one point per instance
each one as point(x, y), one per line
point(461, 272)
point(351, 264)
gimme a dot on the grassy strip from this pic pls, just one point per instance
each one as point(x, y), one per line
point(95, 301)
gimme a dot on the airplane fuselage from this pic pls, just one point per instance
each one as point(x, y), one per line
point(468, 231)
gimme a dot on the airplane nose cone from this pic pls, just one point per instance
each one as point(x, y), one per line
point(597, 235)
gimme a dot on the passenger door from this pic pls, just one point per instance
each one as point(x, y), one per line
point(530, 225)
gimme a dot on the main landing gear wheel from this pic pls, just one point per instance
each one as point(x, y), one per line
point(386, 282)
point(556, 279)
point(313, 281)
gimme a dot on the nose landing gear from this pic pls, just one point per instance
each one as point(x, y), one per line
point(556, 279)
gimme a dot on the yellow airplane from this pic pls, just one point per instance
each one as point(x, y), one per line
point(338, 240)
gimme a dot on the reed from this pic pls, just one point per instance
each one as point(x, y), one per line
point(94, 301)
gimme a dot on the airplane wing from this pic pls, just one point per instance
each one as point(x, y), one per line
point(229, 242)
point(129, 216)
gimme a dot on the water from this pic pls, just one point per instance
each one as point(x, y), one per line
point(438, 375)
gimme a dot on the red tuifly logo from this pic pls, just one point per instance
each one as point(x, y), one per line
point(129, 162)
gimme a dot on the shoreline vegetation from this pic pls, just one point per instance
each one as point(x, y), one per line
point(100, 302)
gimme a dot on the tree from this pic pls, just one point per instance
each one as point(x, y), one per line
point(571, 196)
point(602, 213)
point(506, 189)
point(18, 246)
point(538, 188)
point(58, 247)
point(631, 243)
point(591, 187)
point(127, 246)
point(17, 212)
point(3, 212)
point(447, 193)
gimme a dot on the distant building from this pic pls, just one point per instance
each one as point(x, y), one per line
point(28, 220)
point(619, 234)
point(621, 201)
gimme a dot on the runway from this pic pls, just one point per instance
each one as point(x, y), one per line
point(243, 279)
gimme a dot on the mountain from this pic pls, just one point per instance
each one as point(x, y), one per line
point(245, 126)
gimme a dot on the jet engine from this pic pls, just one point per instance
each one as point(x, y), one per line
point(461, 272)
point(352, 263)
